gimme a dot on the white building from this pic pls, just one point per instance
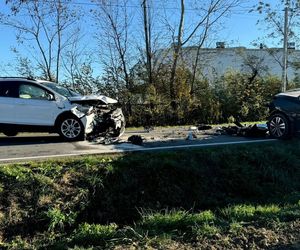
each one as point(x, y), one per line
point(214, 62)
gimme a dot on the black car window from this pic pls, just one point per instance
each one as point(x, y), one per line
point(28, 91)
point(8, 89)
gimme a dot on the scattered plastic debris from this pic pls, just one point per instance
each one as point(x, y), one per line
point(191, 136)
point(193, 128)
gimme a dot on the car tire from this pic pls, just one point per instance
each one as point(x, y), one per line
point(10, 133)
point(70, 128)
point(279, 126)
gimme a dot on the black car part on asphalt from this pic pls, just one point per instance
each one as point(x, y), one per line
point(136, 140)
point(255, 130)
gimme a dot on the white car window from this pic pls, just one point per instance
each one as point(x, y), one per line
point(60, 89)
point(27, 91)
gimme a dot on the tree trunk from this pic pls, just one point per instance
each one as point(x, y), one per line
point(58, 39)
point(177, 51)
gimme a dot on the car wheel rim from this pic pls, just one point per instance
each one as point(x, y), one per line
point(70, 128)
point(277, 126)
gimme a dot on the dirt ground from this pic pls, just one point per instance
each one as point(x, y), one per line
point(280, 237)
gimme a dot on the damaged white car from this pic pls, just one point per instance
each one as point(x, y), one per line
point(28, 105)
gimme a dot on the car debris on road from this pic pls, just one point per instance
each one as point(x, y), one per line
point(196, 133)
point(255, 130)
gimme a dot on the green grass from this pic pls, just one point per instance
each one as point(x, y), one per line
point(93, 234)
point(177, 220)
point(149, 199)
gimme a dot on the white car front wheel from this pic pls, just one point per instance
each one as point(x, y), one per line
point(71, 129)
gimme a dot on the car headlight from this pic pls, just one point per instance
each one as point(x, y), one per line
point(87, 110)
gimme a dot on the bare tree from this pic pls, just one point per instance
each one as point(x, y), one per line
point(177, 48)
point(113, 19)
point(46, 31)
point(75, 58)
point(209, 13)
point(202, 39)
point(254, 65)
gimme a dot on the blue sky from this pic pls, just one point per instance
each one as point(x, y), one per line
point(239, 29)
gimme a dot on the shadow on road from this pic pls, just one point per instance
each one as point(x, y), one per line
point(29, 139)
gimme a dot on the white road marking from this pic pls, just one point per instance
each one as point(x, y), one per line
point(36, 157)
point(136, 149)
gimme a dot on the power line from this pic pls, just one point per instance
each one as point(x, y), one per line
point(243, 10)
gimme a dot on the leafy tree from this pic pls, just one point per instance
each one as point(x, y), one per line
point(276, 25)
point(273, 20)
point(246, 98)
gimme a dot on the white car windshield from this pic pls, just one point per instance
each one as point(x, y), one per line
point(60, 89)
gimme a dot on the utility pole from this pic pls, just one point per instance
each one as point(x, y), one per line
point(285, 45)
point(147, 30)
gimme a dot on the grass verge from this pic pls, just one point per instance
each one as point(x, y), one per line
point(227, 197)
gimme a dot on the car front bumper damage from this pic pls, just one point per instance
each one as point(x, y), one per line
point(102, 123)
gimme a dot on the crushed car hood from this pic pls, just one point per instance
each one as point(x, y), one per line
point(89, 99)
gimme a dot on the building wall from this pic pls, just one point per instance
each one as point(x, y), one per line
point(215, 62)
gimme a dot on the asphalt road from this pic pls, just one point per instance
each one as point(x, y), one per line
point(25, 147)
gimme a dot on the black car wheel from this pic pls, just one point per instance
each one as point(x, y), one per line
point(279, 126)
point(70, 128)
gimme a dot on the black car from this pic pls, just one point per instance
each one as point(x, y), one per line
point(284, 120)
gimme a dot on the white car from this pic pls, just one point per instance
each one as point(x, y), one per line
point(28, 105)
